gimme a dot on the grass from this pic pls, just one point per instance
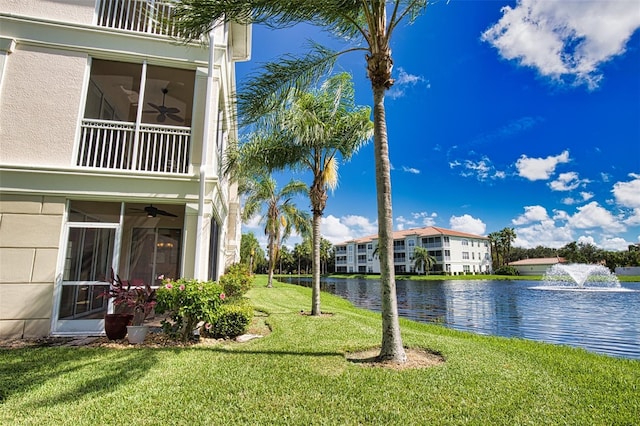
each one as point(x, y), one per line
point(298, 374)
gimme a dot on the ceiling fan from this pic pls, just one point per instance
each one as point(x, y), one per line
point(165, 111)
point(154, 211)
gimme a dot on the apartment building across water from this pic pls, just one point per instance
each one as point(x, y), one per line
point(455, 252)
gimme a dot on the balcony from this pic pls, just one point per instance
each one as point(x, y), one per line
point(126, 146)
point(145, 16)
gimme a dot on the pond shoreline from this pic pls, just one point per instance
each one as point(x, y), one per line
point(599, 321)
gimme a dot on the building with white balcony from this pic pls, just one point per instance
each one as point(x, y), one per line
point(454, 252)
point(112, 134)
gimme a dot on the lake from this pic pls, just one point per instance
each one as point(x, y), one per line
point(606, 322)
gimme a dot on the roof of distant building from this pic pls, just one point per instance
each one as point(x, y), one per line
point(538, 261)
point(429, 231)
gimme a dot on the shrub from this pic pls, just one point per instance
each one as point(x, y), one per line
point(188, 302)
point(506, 270)
point(236, 281)
point(232, 319)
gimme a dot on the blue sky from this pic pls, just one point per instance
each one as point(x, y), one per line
point(520, 114)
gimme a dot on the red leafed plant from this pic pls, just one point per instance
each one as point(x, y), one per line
point(136, 295)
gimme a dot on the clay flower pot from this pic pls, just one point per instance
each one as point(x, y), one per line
point(115, 325)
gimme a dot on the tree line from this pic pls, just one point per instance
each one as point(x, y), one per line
point(297, 260)
point(503, 252)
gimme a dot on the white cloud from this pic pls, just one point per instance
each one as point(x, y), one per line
point(567, 182)
point(615, 243)
point(467, 223)
point(410, 170)
point(628, 193)
point(565, 40)
point(584, 196)
point(362, 225)
point(253, 222)
point(338, 230)
point(420, 219)
point(588, 224)
point(560, 215)
point(634, 218)
point(334, 230)
point(544, 233)
point(587, 240)
point(540, 168)
point(404, 79)
point(592, 215)
point(482, 169)
point(531, 214)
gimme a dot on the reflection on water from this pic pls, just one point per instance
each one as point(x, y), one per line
point(603, 322)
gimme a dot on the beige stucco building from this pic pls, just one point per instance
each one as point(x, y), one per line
point(536, 266)
point(111, 143)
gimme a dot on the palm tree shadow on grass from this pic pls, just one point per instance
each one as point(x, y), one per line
point(29, 369)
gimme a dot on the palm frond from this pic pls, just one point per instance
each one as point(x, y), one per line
point(262, 94)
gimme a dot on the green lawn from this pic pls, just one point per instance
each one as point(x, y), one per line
point(299, 375)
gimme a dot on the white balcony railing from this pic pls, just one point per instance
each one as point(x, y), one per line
point(146, 16)
point(121, 145)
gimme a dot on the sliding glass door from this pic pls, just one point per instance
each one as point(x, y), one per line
point(87, 270)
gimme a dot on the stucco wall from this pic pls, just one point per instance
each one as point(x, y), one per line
point(628, 270)
point(76, 11)
point(41, 95)
point(532, 269)
point(30, 229)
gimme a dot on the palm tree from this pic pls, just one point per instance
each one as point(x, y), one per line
point(508, 235)
point(309, 132)
point(494, 239)
point(367, 27)
point(281, 216)
point(249, 249)
point(325, 252)
point(423, 260)
point(302, 251)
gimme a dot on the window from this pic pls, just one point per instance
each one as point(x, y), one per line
point(114, 93)
point(214, 243)
point(431, 242)
point(465, 255)
point(437, 254)
point(465, 242)
point(137, 117)
point(155, 252)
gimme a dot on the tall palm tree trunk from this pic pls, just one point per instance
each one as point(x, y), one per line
point(272, 250)
point(391, 348)
point(315, 265)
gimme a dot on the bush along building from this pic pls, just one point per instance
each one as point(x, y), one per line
point(111, 142)
point(453, 252)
